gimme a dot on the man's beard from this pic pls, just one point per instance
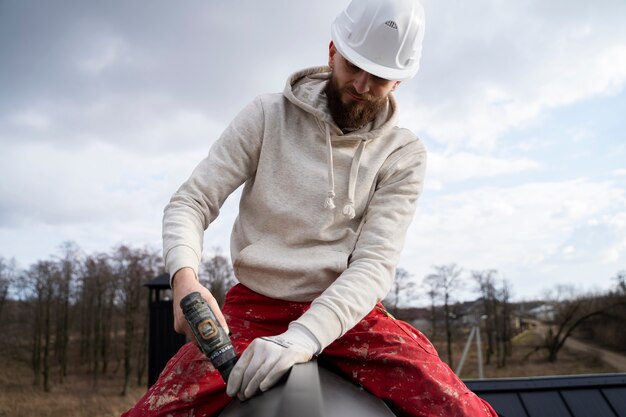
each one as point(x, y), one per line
point(354, 114)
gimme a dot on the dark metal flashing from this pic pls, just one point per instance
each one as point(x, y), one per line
point(546, 382)
point(310, 391)
point(556, 396)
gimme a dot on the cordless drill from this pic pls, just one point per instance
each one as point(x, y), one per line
point(210, 335)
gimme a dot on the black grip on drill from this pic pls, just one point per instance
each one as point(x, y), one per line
point(210, 335)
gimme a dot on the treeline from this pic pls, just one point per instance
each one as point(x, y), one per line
point(82, 313)
point(561, 313)
point(449, 318)
point(87, 313)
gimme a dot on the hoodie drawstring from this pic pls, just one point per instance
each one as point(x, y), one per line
point(348, 209)
point(329, 203)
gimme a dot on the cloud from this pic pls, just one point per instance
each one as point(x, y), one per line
point(464, 166)
point(492, 67)
point(32, 120)
point(543, 228)
point(98, 195)
point(147, 124)
point(94, 184)
point(105, 52)
point(212, 57)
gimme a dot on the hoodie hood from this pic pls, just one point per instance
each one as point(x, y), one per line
point(305, 89)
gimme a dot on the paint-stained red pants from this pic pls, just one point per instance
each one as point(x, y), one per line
point(389, 358)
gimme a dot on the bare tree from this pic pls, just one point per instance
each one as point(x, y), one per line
point(432, 290)
point(447, 280)
point(495, 297)
point(97, 306)
point(35, 283)
point(133, 268)
point(84, 307)
point(142, 352)
point(404, 284)
point(608, 330)
point(620, 278)
point(43, 278)
point(67, 268)
point(127, 267)
point(152, 266)
point(8, 269)
point(503, 330)
point(49, 290)
point(570, 312)
point(219, 276)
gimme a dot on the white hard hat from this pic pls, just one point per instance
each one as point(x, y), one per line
point(382, 37)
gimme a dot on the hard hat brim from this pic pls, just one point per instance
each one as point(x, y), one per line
point(392, 74)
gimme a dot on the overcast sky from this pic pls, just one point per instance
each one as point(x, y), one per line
point(106, 107)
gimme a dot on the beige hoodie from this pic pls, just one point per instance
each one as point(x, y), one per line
point(288, 241)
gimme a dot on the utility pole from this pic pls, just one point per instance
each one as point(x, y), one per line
point(474, 332)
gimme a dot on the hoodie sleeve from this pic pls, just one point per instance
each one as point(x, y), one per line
point(231, 161)
point(371, 268)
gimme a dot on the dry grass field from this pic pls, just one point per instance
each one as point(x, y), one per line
point(77, 398)
point(74, 398)
point(569, 362)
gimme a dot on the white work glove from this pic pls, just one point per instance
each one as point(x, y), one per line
point(267, 359)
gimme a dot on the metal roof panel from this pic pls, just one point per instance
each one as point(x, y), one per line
point(567, 396)
point(508, 404)
point(545, 404)
point(616, 398)
point(587, 402)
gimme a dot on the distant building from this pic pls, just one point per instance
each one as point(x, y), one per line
point(543, 312)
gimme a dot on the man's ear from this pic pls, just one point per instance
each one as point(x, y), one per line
point(395, 85)
point(331, 54)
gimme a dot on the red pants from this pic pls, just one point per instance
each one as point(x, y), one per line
point(389, 358)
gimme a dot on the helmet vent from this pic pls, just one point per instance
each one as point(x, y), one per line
point(391, 24)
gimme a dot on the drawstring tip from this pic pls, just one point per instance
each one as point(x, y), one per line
point(348, 211)
point(329, 203)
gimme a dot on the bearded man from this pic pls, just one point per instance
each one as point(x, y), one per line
point(330, 188)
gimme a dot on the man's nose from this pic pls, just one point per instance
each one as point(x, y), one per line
point(362, 82)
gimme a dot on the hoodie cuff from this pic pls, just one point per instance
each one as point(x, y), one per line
point(323, 324)
point(180, 257)
point(303, 336)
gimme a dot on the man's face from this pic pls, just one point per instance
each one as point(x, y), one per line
point(354, 96)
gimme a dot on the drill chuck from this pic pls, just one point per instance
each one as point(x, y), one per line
point(209, 333)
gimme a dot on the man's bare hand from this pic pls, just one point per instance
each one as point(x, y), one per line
point(184, 283)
